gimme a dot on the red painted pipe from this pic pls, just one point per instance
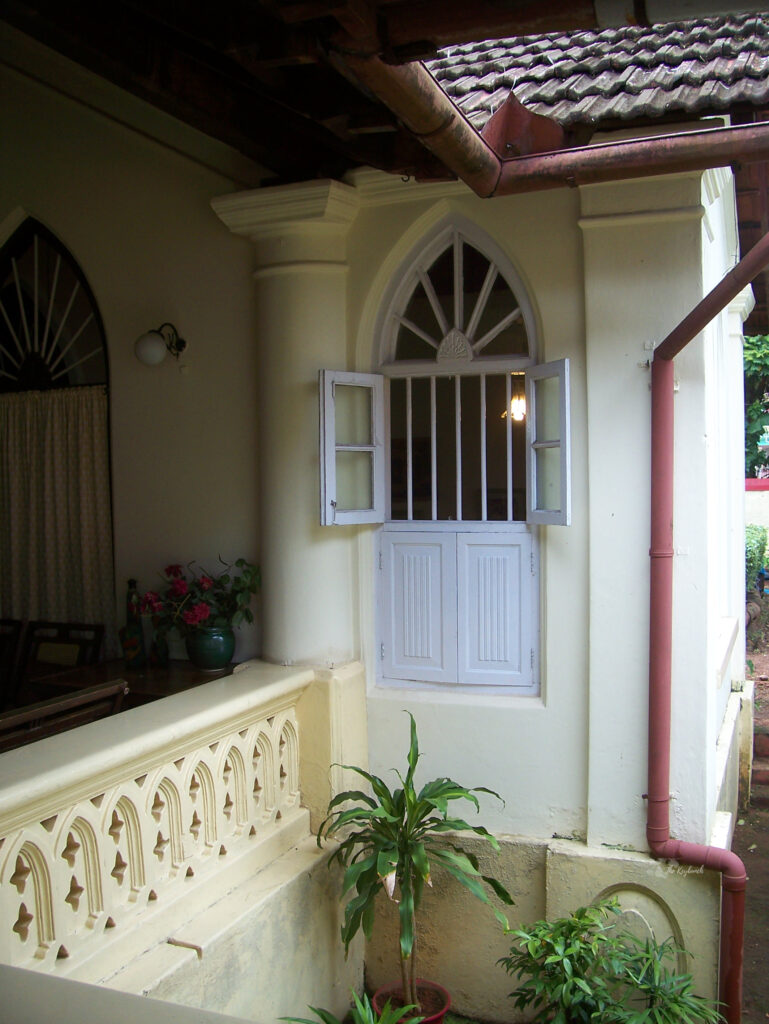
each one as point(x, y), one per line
point(733, 875)
point(660, 676)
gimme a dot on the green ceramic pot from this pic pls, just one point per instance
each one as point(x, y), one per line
point(210, 647)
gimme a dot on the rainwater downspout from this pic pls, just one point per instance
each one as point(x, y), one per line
point(661, 844)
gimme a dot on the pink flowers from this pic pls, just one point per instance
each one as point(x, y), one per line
point(151, 603)
point(190, 599)
point(197, 614)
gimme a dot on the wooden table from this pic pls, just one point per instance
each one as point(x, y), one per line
point(145, 686)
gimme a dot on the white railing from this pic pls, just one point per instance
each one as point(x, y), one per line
point(110, 831)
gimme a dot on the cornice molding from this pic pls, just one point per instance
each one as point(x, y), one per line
point(267, 211)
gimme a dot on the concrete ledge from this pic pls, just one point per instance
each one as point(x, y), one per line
point(268, 948)
point(30, 998)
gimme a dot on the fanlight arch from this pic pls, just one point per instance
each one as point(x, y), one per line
point(51, 332)
point(458, 302)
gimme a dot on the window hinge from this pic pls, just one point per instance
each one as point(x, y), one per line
point(531, 562)
point(381, 652)
point(380, 561)
point(532, 657)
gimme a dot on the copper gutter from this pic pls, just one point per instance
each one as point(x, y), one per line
point(661, 636)
point(414, 96)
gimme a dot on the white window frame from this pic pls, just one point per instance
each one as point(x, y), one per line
point(329, 514)
point(558, 369)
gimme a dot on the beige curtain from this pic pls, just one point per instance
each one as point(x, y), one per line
point(55, 516)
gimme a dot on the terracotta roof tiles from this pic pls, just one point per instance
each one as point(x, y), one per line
point(625, 74)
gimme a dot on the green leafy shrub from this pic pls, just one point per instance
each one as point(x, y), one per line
point(755, 552)
point(756, 368)
point(581, 970)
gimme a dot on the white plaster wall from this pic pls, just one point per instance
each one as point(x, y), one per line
point(532, 750)
point(642, 275)
point(135, 214)
point(757, 507)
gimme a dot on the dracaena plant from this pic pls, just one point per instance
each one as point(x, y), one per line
point(361, 1012)
point(391, 840)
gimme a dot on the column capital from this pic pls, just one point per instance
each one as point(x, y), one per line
point(303, 222)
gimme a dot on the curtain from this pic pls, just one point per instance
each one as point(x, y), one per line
point(55, 517)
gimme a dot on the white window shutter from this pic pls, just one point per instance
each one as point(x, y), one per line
point(548, 449)
point(352, 458)
point(494, 585)
point(418, 614)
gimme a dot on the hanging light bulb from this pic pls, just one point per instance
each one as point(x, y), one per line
point(517, 404)
point(518, 408)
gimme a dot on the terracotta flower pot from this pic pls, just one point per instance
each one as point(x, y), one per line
point(434, 999)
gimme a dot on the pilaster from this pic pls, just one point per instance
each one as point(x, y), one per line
point(299, 234)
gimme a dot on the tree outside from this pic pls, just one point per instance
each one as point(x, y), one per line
point(756, 364)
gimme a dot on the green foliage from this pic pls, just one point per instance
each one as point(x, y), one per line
point(361, 1012)
point(392, 840)
point(581, 970)
point(756, 368)
point(755, 552)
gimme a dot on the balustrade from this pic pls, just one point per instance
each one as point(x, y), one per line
point(105, 838)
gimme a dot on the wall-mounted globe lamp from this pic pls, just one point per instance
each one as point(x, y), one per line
point(151, 348)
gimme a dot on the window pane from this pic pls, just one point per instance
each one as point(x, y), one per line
point(471, 447)
point(354, 480)
point(548, 423)
point(421, 314)
point(398, 508)
point(548, 496)
point(496, 450)
point(421, 460)
point(353, 414)
point(441, 275)
point(512, 340)
point(446, 455)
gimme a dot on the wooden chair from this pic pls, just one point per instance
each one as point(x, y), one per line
point(50, 647)
point(10, 636)
point(48, 717)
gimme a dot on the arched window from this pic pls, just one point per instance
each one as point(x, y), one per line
point(456, 341)
point(51, 333)
point(56, 559)
point(459, 446)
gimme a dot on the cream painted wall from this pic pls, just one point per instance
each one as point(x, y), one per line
point(506, 743)
point(135, 213)
point(610, 271)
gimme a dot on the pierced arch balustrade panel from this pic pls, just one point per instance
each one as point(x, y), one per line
point(83, 877)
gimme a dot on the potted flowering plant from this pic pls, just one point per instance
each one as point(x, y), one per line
point(204, 607)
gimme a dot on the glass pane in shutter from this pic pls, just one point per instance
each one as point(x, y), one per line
point(354, 481)
point(548, 417)
point(548, 496)
point(353, 414)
